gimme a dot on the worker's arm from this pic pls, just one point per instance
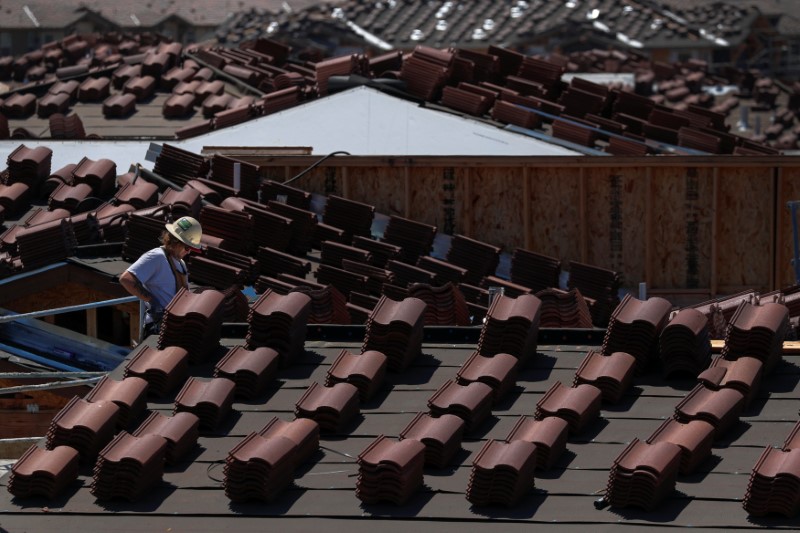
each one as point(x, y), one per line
point(132, 284)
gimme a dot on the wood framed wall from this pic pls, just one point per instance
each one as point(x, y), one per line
point(697, 224)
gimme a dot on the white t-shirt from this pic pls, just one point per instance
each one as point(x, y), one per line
point(155, 274)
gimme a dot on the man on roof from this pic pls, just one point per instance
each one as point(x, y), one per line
point(160, 273)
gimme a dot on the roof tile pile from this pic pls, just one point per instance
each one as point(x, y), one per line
point(390, 470)
point(84, 426)
point(564, 309)
point(578, 405)
point(549, 435)
point(414, 238)
point(250, 370)
point(180, 431)
point(643, 474)
point(742, 374)
point(472, 402)
point(304, 433)
point(695, 438)
point(279, 322)
point(365, 371)
point(774, 485)
point(511, 327)
point(128, 467)
point(601, 285)
point(130, 395)
point(441, 436)
point(534, 270)
point(757, 331)
point(259, 468)
point(355, 218)
point(478, 258)
point(40, 472)
point(498, 371)
point(189, 313)
point(685, 343)
point(720, 408)
point(612, 373)
point(395, 329)
point(635, 326)
point(333, 407)
point(210, 400)
point(502, 473)
point(446, 304)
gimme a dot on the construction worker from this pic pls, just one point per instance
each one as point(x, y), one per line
point(160, 273)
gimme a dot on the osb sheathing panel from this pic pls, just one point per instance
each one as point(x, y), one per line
point(426, 196)
point(381, 187)
point(496, 205)
point(744, 253)
point(788, 190)
point(681, 217)
point(555, 212)
point(315, 181)
point(616, 200)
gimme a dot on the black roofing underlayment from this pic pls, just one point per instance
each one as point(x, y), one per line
point(709, 490)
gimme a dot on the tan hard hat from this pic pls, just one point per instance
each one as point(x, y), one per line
point(187, 230)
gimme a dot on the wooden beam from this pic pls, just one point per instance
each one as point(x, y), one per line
point(584, 230)
point(714, 230)
point(91, 322)
point(526, 208)
point(648, 228)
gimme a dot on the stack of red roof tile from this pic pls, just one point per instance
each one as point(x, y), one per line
point(128, 467)
point(534, 270)
point(720, 408)
point(612, 373)
point(502, 473)
point(390, 470)
point(381, 252)
point(328, 305)
point(332, 407)
point(635, 326)
point(121, 105)
point(685, 343)
point(210, 400)
point(509, 288)
point(396, 329)
point(40, 472)
point(250, 370)
point(695, 438)
point(180, 165)
point(303, 432)
point(279, 322)
point(355, 218)
point(406, 274)
point(441, 436)
point(498, 371)
point(227, 229)
point(259, 468)
point(479, 258)
point(365, 371)
point(140, 194)
point(757, 331)
point(774, 485)
point(578, 405)
point(69, 197)
point(446, 304)
point(445, 272)
point(19, 105)
point(50, 104)
point(548, 434)
point(47, 243)
point(28, 165)
point(643, 474)
point(376, 277)
point(130, 395)
point(302, 225)
point(180, 431)
point(742, 374)
point(471, 402)
point(512, 327)
point(414, 238)
point(564, 309)
point(601, 285)
point(189, 313)
point(85, 426)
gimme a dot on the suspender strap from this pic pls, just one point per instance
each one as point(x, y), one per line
point(180, 279)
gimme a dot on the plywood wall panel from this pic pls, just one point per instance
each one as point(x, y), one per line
point(682, 215)
point(497, 206)
point(744, 248)
point(426, 196)
point(555, 212)
point(616, 201)
point(789, 190)
point(383, 188)
point(315, 181)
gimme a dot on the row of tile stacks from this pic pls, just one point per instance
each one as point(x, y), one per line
point(774, 485)
point(279, 322)
point(685, 343)
point(646, 472)
point(512, 327)
point(395, 328)
point(635, 327)
point(261, 466)
point(188, 313)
